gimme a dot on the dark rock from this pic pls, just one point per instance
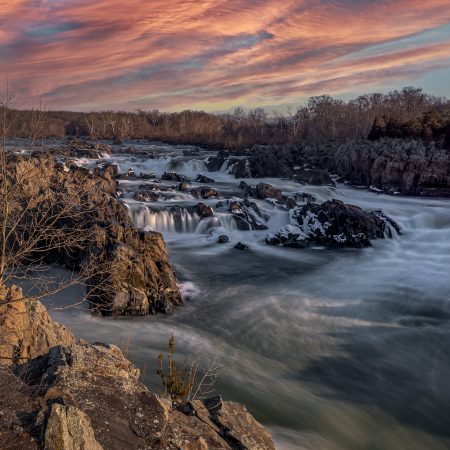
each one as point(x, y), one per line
point(191, 152)
point(146, 176)
point(183, 186)
point(264, 190)
point(240, 168)
point(173, 176)
point(272, 161)
point(204, 179)
point(223, 239)
point(204, 211)
point(405, 166)
point(315, 177)
point(215, 163)
point(204, 192)
point(146, 196)
point(333, 223)
point(245, 214)
point(129, 174)
point(241, 246)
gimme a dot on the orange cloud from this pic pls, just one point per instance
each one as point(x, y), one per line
point(173, 54)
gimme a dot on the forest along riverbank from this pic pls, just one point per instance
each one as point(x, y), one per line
point(330, 348)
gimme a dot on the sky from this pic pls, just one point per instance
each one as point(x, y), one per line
point(214, 55)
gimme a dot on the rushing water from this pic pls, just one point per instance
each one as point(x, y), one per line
point(330, 349)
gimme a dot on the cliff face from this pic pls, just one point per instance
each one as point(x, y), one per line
point(406, 166)
point(83, 396)
point(129, 271)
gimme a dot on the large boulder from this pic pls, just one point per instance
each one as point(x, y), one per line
point(246, 214)
point(132, 275)
point(204, 192)
point(174, 176)
point(333, 223)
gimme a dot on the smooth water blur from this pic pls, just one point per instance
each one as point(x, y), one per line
point(330, 349)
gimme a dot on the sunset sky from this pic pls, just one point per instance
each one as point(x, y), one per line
point(216, 54)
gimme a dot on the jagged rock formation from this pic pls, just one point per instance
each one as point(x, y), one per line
point(332, 223)
point(130, 271)
point(405, 166)
point(82, 396)
point(246, 214)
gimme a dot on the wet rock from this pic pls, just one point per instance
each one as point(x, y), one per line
point(204, 192)
point(146, 196)
point(223, 239)
point(127, 175)
point(264, 191)
point(215, 163)
point(173, 176)
point(241, 246)
point(204, 179)
point(240, 168)
point(147, 176)
point(204, 211)
point(245, 214)
point(69, 428)
point(299, 198)
point(183, 187)
point(191, 152)
point(333, 223)
point(315, 177)
point(26, 329)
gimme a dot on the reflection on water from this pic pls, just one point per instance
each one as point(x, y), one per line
point(331, 349)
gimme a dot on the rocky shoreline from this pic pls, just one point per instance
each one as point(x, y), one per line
point(63, 394)
point(396, 166)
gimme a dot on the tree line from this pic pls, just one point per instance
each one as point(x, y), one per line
point(323, 118)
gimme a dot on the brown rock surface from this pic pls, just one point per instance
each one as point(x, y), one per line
point(26, 329)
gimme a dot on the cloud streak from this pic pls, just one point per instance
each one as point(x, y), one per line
point(212, 54)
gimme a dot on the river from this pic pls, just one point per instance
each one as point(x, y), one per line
point(330, 349)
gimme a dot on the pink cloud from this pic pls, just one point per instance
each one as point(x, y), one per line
point(115, 54)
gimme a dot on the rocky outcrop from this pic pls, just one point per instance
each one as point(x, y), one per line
point(128, 270)
point(26, 329)
point(262, 191)
point(272, 161)
point(204, 179)
point(315, 177)
point(333, 223)
point(134, 276)
point(203, 210)
point(246, 214)
point(412, 167)
point(84, 396)
point(173, 176)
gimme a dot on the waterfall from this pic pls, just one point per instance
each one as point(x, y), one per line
point(172, 220)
